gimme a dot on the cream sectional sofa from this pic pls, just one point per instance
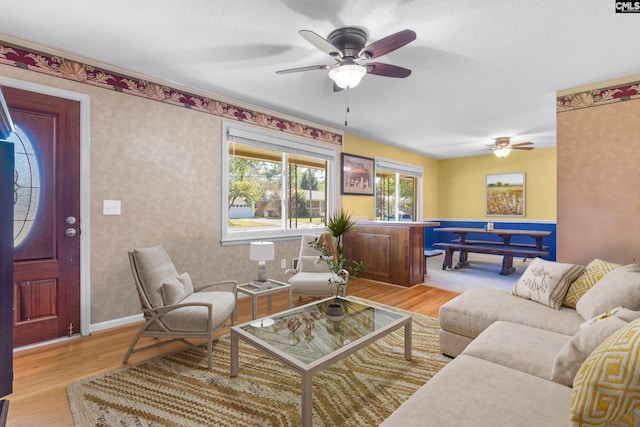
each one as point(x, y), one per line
point(506, 349)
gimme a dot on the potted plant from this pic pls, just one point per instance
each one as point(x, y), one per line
point(340, 266)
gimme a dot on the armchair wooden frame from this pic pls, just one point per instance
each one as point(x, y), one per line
point(153, 318)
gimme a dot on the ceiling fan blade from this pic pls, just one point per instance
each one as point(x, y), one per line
point(514, 147)
point(387, 70)
point(309, 68)
point(388, 44)
point(336, 88)
point(320, 42)
point(520, 144)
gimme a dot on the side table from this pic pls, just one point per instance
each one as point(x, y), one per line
point(256, 290)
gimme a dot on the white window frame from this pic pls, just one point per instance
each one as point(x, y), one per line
point(283, 143)
point(404, 169)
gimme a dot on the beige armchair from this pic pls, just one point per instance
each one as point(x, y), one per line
point(172, 307)
point(311, 276)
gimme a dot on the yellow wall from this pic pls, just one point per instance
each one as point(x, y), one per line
point(364, 205)
point(455, 188)
point(462, 181)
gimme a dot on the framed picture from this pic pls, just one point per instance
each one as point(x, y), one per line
point(505, 194)
point(358, 175)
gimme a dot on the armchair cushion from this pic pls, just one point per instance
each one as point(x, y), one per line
point(175, 289)
point(314, 284)
point(194, 318)
point(154, 267)
point(313, 264)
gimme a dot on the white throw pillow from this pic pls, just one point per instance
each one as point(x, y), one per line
point(546, 282)
point(620, 287)
point(576, 351)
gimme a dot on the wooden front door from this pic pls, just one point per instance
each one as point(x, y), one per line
point(47, 216)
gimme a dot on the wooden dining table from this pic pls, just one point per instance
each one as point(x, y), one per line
point(505, 247)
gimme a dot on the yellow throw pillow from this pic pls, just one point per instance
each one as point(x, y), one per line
point(594, 272)
point(606, 389)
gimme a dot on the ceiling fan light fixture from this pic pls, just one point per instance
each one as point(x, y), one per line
point(347, 76)
point(502, 152)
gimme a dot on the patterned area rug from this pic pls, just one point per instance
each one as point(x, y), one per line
point(178, 390)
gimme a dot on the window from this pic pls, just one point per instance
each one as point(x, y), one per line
point(26, 186)
point(274, 185)
point(398, 191)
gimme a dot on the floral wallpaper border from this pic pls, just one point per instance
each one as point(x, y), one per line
point(88, 74)
point(596, 97)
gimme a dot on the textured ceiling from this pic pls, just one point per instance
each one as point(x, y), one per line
point(481, 69)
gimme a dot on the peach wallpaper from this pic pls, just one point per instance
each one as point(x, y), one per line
point(599, 181)
point(163, 163)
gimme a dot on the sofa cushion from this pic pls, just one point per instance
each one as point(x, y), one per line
point(511, 345)
point(607, 387)
point(472, 392)
point(473, 311)
point(621, 287)
point(573, 354)
point(546, 282)
point(595, 271)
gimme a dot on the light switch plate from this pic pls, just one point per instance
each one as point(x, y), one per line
point(111, 207)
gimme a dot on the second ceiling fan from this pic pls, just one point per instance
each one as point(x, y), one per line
point(503, 146)
point(347, 46)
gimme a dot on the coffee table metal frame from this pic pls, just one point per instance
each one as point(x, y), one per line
point(306, 370)
point(255, 291)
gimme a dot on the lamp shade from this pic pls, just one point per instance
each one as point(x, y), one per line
point(348, 75)
point(502, 152)
point(261, 251)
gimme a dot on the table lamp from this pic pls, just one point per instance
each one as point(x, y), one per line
point(261, 252)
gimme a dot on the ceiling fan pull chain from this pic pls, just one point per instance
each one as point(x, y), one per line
point(346, 113)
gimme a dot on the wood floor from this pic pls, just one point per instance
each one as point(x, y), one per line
point(41, 375)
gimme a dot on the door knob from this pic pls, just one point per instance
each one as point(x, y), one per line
point(70, 232)
point(71, 220)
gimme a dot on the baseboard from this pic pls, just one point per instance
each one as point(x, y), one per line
point(95, 327)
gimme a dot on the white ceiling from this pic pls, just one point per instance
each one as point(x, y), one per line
point(481, 68)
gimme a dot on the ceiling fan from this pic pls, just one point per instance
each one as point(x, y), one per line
point(347, 46)
point(503, 146)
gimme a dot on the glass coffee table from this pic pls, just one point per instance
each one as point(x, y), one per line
point(305, 340)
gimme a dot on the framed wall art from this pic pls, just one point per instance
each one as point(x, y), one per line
point(505, 194)
point(358, 175)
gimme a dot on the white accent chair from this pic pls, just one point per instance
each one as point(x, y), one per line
point(172, 307)
point(311, 276)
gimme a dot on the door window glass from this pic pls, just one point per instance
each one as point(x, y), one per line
point(26, 186)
